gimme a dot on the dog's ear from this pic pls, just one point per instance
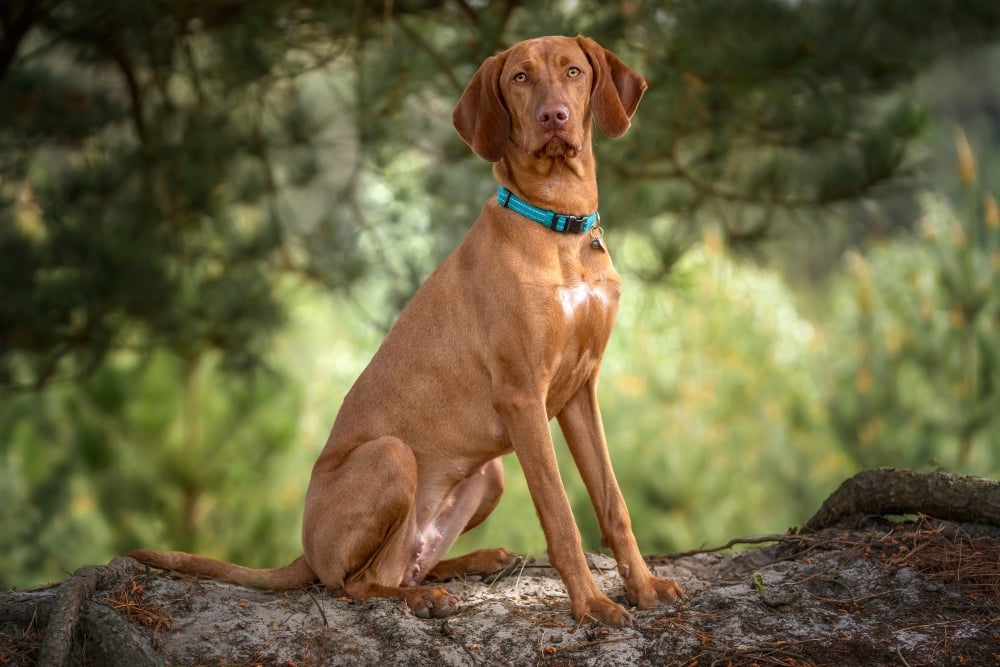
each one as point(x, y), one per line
point(481, 118)
point(616, 91)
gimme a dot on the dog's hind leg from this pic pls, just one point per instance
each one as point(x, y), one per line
point(472, 501)
point(367, 549)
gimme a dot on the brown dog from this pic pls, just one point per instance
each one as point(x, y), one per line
point(507, 333)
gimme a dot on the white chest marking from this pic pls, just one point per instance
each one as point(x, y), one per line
point(578, 294)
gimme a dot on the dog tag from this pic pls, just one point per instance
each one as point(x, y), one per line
point(598, 243)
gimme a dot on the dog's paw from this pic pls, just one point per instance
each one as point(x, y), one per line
point(431, 602)
point(656, 592)
point(493, 561)
point(483, 563)
point(603, 610)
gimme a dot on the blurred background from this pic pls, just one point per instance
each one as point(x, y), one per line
point(211, 211)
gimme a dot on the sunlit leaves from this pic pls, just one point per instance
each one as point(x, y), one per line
point(921, 384)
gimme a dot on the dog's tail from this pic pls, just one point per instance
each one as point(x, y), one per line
point(296, 574)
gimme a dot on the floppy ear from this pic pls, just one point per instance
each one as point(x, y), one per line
point(617, 88)
point(480, 116)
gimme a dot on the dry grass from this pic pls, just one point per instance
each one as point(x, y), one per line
point(129, 600)
point(947, 553)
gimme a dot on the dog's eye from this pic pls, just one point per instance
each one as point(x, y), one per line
point(573, 72)
point(520, 77)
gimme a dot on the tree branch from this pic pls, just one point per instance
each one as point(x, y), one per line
point(17, 22)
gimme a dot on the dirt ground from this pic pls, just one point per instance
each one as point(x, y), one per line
point(912, 593)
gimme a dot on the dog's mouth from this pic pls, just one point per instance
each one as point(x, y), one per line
point(556, 144)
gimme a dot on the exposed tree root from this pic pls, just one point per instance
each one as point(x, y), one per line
point(890, 491)
point(61, 630)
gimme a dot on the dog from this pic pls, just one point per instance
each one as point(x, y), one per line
point(507, 333)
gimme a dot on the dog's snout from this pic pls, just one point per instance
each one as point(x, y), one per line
point(553, 116)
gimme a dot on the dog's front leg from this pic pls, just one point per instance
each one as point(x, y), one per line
point(526, 422)
point(581, 423)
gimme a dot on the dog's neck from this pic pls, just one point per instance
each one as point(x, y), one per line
point(564, 184)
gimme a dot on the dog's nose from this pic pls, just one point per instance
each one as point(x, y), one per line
point(553, 116)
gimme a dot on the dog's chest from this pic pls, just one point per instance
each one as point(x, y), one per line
point(585, 305)
point(589, 287)
point(582, 298)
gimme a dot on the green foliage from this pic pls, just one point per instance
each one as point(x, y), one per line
point(145, 154)
point(922, 382)
point(766, 114)
point(730, 437)
point(146, 451)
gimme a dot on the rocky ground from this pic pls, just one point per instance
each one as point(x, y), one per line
point(853, 588)
point(881, 593)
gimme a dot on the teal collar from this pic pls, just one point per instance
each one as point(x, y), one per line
point(560, 222)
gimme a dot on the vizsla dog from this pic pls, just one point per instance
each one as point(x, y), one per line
point(507, 333)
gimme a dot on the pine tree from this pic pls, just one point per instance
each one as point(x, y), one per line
point(923, 384)
point(157, 156)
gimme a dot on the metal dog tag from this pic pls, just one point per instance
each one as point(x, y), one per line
point(598, 241)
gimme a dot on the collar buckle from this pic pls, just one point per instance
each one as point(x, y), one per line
point(574, 224)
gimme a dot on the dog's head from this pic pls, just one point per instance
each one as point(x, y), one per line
point(538, 96)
